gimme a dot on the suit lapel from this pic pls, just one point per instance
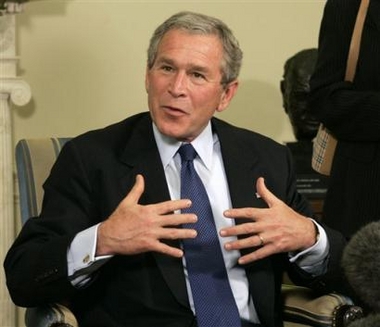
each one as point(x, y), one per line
point(142, 156)
point(243, 167)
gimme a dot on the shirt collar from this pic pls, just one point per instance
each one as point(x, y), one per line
point(203, 144)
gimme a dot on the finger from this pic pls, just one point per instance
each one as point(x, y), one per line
point(260, 253)
point(172, 206)
point(261, 248)
point(260, 245)
point(168, 250)
point(242, 229)
point(177, 233)
point(254, 241)
point(241, 213)
point(264, 193)
point(137, 190)
point(177, 219)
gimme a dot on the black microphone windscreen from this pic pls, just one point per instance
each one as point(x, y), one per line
point(372, 320)
point(361, 264)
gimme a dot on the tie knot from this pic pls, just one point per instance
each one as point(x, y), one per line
point(187, 152)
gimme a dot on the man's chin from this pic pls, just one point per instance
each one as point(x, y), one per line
point(172, 131)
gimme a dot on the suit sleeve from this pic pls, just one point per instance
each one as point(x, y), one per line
point(36, 264)
point(332, 279)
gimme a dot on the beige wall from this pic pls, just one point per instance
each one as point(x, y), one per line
point(85, 60)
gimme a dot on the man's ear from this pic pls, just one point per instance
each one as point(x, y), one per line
point(227, 95)
point(147, 79)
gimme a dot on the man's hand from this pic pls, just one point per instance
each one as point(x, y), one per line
point(134, 228)
point(275, 229)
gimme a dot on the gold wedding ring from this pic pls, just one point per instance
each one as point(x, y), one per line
point(261, 240)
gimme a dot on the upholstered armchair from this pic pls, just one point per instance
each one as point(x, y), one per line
point(34, 158)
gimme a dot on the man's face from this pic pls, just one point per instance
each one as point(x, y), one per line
point(184, 85)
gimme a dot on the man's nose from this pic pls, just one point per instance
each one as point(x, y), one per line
point(178, 84)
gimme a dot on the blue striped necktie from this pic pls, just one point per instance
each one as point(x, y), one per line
point(214, 302)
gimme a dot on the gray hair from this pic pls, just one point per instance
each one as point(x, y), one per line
point(202, 24)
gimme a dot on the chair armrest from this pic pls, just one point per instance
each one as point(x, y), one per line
point(53, 315)
point(302, 305)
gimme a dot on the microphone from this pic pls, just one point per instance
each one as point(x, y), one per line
point(372, 320)
point(361, 265)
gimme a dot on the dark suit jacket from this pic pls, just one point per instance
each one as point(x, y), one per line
point(352, 112)
point(93, 174)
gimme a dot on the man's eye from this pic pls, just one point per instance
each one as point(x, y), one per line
point(198, 75)
point(167, 68)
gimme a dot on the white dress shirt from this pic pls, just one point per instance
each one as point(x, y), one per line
point(209, 166)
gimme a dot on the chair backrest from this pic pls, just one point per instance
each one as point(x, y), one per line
point(34, 159)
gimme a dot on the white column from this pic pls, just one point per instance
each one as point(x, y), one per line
point(12, 89)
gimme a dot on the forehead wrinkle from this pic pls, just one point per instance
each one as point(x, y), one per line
point(189, 66)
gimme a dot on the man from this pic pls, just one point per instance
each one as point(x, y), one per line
point(113, 232)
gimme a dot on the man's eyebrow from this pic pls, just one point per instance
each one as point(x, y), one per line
point(164, 60)
point(198, 68)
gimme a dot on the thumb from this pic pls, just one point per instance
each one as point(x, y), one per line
point(137, 190)
point(264, 193)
